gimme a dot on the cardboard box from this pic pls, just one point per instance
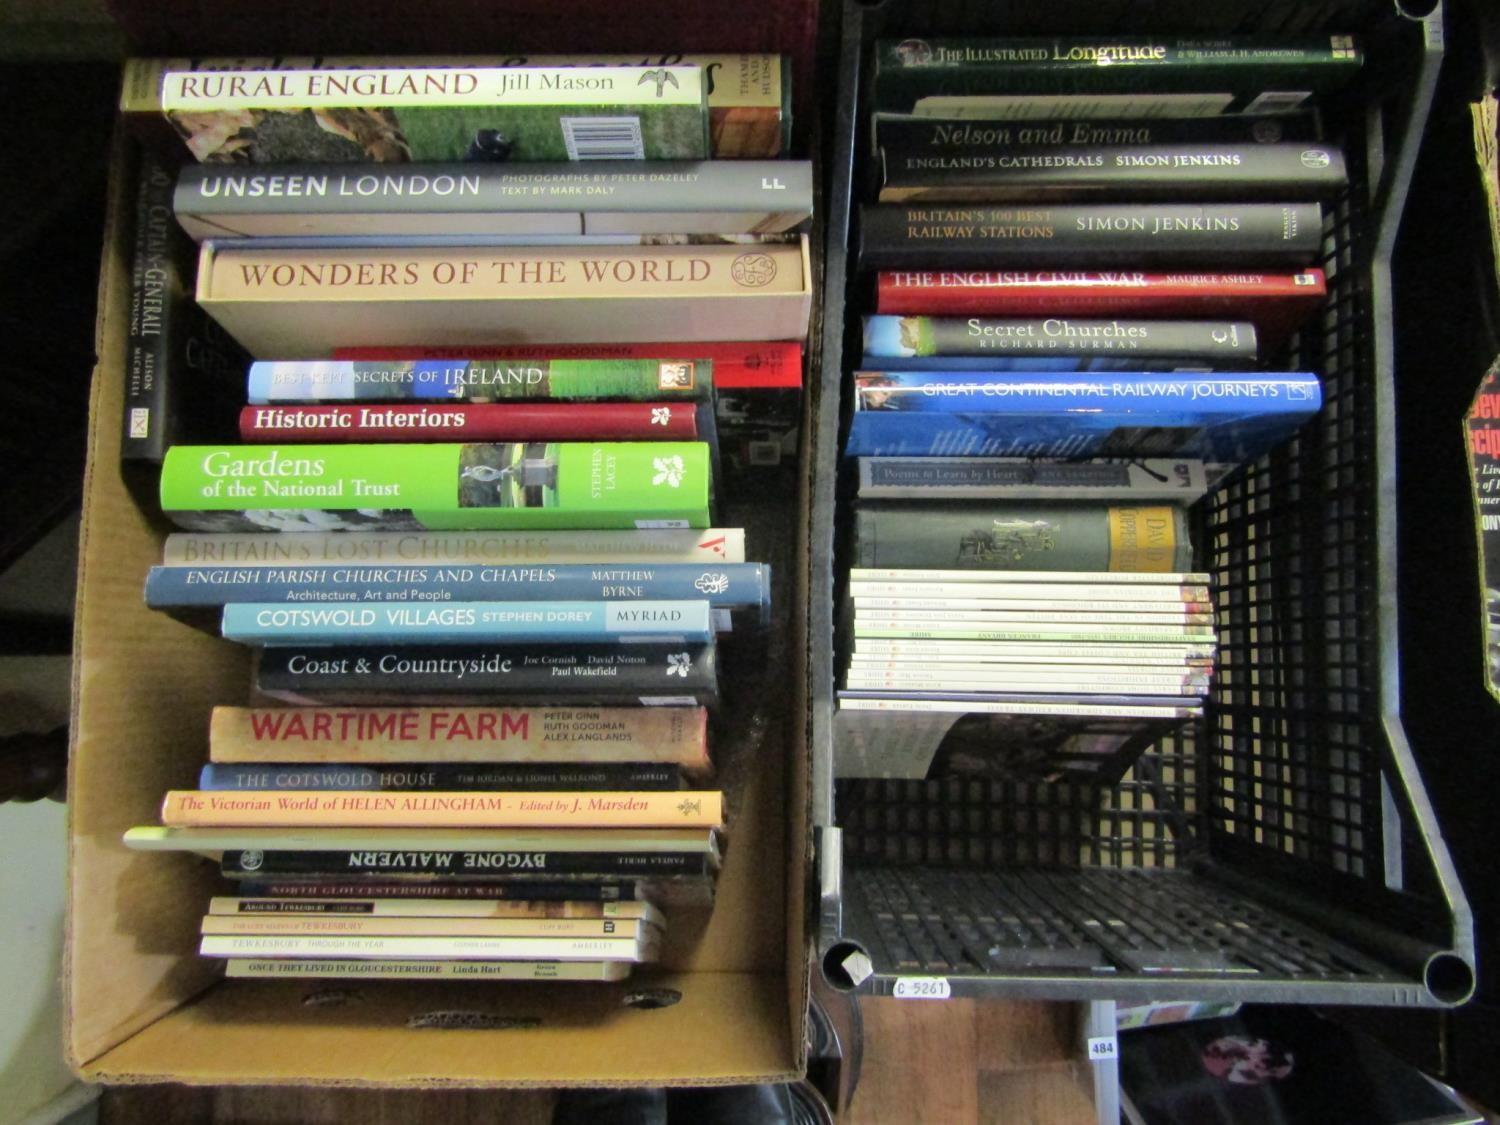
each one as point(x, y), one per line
point(726, 1005)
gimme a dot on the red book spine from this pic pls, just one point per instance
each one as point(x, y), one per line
point(755, 364)
point(519, 421)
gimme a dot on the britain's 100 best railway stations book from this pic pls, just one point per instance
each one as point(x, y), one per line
point(442, 487)
point(397, 115)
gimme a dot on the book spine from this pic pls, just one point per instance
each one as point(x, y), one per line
point(950, 392)
point(976, 631)
point(1055, 682)
point(900, 237)
point(1013, 478)
point(1031, 538)
point(440, 486)
point(334, 925)
point(902, 140)
point(730, 586)
point(440, 777)
point(1085, 595)
point(880, 653)
point(253, 968)
point(542, 866)
point(710, 545)
point(466, 741)
point(457, 948)
point(604, 197)
point(478, 380)
point(965, 703)
point(967, 605)
point(316, 809)
point(406, 892)
point(551, 675)
point(367, 906)
point(267, 623)
point(1240, 172)
point(647, 421)
point(1208, 341)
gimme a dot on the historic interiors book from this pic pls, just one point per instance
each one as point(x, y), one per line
point(309, 302)
point(443, 487)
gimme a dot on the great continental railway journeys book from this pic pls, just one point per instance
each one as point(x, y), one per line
point(445, 487)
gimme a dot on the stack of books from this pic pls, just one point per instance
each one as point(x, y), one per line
point(1088, 259)
point(469, 531)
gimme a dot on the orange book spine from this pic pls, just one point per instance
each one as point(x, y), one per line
point(355, 809)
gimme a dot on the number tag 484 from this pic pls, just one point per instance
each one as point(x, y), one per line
point(922, 988)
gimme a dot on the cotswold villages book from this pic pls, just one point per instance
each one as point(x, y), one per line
point(1119, 76)
point(594, 197)
point(749, 96)
point(310, 302)
point(315, 809)
point(381, 735)
point(408, 487)
point(426, 114)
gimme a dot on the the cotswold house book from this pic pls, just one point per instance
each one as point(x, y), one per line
point(445, 487)
point(749, 95)
point(444, 777)
point(425, 114)
point(595, 197)
point(309, 302)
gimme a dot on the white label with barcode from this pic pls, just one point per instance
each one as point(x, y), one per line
point(140, 421)
point(603, 138)
point(669, 701)
point(923, 988)
point(1103, 1047)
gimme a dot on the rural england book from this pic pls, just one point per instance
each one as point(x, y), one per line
point(309, 302)
point(428, 114)
point(903, 236)
point(1228, 417)
point(603, 197)
point(397, 487)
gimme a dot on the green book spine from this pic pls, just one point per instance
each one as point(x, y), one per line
point(1151, 539)
point(441, 487)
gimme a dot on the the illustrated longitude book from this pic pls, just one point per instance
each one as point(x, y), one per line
point(445, 487)
point(749, 95)
point(427, 114)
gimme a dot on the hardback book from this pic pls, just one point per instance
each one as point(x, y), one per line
point(931, 626)
point(900, 236)
point(710, 545)
point(430, 114)
point(1276, 303)
point(1034, 611)
point(1186, 585)
point(604, 197)
point(458, 486)
point(358, 888)
point(461, 737)
point(730, 586)
point(1014, 703)
point(183, 372)
point(1022, 537)
point(902, 141)
point(450, 675)
point(952, 341)
point(442, 777)
point(1114, 77)
point(432, 865)
point(749, 95)
point(596, 622)
point(472, 422)
point(375, 906)
point(1033, 591)
point(1016, 478)
point(318, 809)
point(1191, 170)
point(1052, 679)
point(1227, 417)
point(309, 302)
point(522, 379)
point(382, 926)
point(261, 968)
point(561, 948)
point(1186, 658)
point(667, 891)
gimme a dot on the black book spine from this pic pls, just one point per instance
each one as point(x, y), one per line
point(1219, 236)
point(363, 888)
point(591, 675)
point(447, 777)
point(1240, 171)
point(463, 865)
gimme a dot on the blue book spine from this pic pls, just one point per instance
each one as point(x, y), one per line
point(1062, 363)
point(729, 586)
point(270, 624)
point(1226, 418)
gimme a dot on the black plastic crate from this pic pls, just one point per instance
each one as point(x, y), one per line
point(1283, 849)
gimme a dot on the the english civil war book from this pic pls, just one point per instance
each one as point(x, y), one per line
point(183, 372)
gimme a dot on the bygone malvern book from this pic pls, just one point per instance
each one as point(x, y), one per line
point(455, 486)
point(309, 302)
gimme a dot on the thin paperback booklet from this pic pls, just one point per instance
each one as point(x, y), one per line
point(1225, 418)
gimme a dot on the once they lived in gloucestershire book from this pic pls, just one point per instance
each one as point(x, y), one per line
point(426, 114)
point(444, 487)
point(308, 303)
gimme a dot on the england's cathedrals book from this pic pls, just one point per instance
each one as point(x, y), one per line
point(444, 487)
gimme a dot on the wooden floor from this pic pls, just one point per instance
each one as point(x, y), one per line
point(956, 1062)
